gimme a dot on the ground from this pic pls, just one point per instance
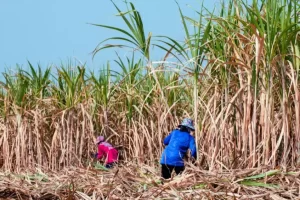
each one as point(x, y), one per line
point(143, 182)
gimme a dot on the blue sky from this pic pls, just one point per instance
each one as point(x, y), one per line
point(51, 32)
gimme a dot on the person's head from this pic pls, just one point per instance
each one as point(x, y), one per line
point(187, 125)
point(99, 139)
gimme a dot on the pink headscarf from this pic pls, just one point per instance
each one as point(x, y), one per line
point(99, 139)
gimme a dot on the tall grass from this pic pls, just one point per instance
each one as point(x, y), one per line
point(237, 76)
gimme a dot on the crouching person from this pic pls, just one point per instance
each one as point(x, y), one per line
point(177, 143)
point(107, 152)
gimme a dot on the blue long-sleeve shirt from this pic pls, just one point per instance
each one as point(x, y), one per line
point(178, 143)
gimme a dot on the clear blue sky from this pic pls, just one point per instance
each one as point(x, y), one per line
point(49, 32)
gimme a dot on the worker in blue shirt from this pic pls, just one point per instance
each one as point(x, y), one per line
point(177, 143)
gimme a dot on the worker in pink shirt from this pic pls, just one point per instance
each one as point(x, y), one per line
point(106, 151)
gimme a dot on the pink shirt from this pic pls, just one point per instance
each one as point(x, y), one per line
point(107, 151)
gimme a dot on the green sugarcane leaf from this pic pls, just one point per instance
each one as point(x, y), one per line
point(258, 184)
point(262, 175)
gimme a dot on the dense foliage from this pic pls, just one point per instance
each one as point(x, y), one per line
point(236, 73)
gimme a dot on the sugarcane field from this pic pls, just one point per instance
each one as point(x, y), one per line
point(216, 117)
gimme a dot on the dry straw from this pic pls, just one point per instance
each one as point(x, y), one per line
point(143, 182)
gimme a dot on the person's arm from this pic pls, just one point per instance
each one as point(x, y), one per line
point(192, 147)
point(100, 152)
point(167, 139)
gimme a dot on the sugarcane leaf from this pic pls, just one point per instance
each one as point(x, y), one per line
point(258, 184)
point(263, 175)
